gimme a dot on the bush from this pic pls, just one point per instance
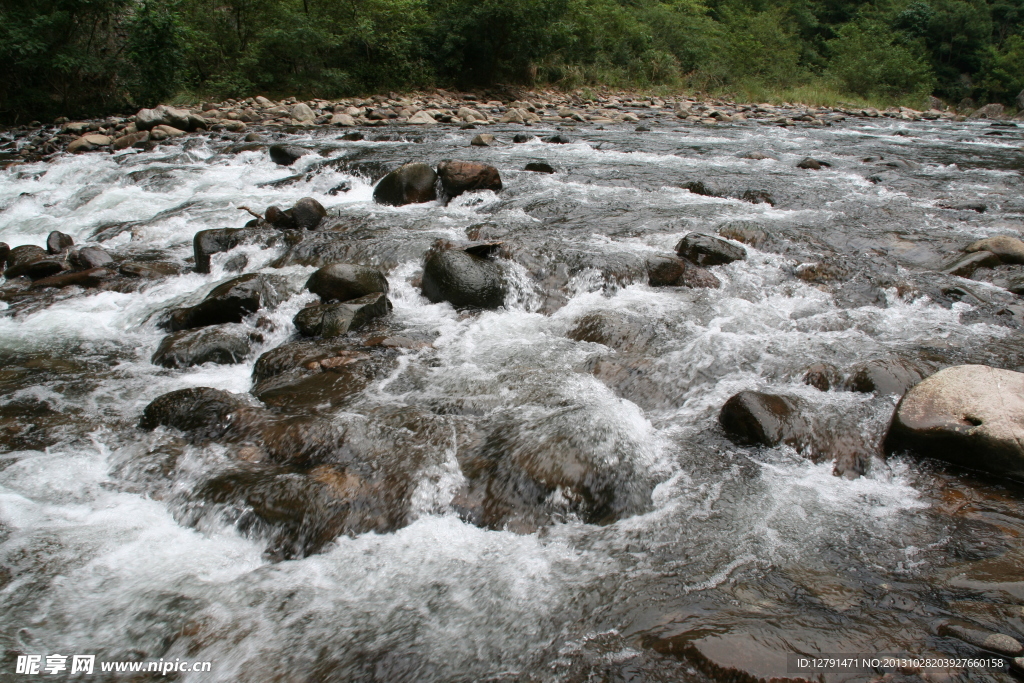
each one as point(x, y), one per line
point(871, 60)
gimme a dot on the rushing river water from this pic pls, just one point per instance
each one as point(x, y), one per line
point(104, 551)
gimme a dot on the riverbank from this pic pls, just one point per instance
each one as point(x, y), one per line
point(464, 110)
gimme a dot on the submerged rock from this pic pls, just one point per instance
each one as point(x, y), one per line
point(201, 411)
point(413, 183)
point(286, 155)
point(92, 257)
point(967, 415)
point(463, 279)
point(230, 302)
point(883, 377)
point(221, 344)
point(812, 164)
point(92, 277)
point(667, 271)
point(539, 167)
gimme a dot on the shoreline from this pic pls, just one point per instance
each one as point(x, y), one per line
point(28, 143)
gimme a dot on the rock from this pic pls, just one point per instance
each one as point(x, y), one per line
point(757, 156)
point(697, 187)
point(613, 329)
point(482, 140)
point(58, 242)
point(966, 265)
point(758, 197)
point(5, 249)
point(979, 207)
point(342, 119)
point(32, 261)
point(821, 376)
point(1008, 249)
point(539, 167)
point(150, 269)
point(221, 344)
point(206, 243)
point(466, 176)
point(286, 155)
point(93, 277)
point(87, 143)
point(707, 250)
point(301, 112)
point(883, 377)
point(559, 139)
point(989, 111)
point(986, 640)
point(230, 302)
point(343, 282)
point(737, 657)
point(967, 415)
point(164, 132)
point(463, 279)
point(200, 411)
point(307, 213)
point(667, 271)
point(753, 418)
point(812, 164)
point(421, 118)
point(1020, 100)
point(333, 320)
point(126, 141)
point(520, 138)
point(413, 183)
point(163, 115)
point(745, 232)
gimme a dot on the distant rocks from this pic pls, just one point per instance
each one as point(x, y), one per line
point(967, 415)
point(539, 167)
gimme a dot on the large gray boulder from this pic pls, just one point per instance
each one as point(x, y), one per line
point(411, 184)
point(345, 281)
point(967, 415)
point(465, 176)
point(221, 344)
point(163, 115)
point(465, 280)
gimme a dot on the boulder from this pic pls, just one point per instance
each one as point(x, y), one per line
point(463, 279)
point(614, 329)
point(230, 302)
point(221, 344)
point(1020, 100)
point(883, 377)
point(413, 183)
point(1008, 249)
point(812, 164)
point(286, 155)
point(466, 176)
point(698, 187)
point(559, 139)
point(333, 320)
point(668, 271)
point(58, 242)
point(342, 282)
point(163, 115)
point(539, 167)
point(5, 249)
point(32, 261)
point(989, 111)
point(482, 140)
point(150, 270)
point(307, 213)
point(707, 250)
point(200, 411)
point(421, 118)
point(745, 232)
point(758, 197)
point(87, 143)
point(93, 277)
point(753, 418)
point(967, 415)
point(966, 265)
point(301, 112)
point(206, 243)
point(520, 138)
point(821, 376)
point(130, 140)
point(342, 119)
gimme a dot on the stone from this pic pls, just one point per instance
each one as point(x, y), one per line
point(126, 141)
point(812, 164)
point(201, 411)
point(745, 232)
point(286, 155)
point(986, 640)
point(333, 320)
point(520, 138)
point(150, 269)
point(206, 243)
point(482, 140)
point(966, 265)
point(559, 139)
point(93, 277)
point(58, 242)
point(458, 177)
point(668, 271)
point(753, 418)
point(342, 119)
point(539, 167)
point(757, 197)
point(413, 183)
point(463, 279)
point(1020, 100)
point(339, 282)
point(80, 145)
point(821, 376)
point(220, 344)
point(5, 249)
point(698, 187)
point(230, 302)
point(307, 213)
point(421, 118)
point(166, 131)
point(707, 250)
point(30, 260)
point(989, 111)
point(301, 112)
point(163, 115)
point(967, 415)
point(1008, 249)
point(885, 377)
point(613, 329)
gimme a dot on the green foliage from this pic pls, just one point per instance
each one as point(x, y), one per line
point(80, 57)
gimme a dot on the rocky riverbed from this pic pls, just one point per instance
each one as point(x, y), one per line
point(448, 388)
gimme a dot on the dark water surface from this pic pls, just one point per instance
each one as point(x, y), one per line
point(103, 548)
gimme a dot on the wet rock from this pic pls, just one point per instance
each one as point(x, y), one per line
point(344, 281)
point(206, 243)
point(758, 197)
point(756, 156)
point(989, 111)
point(413, 183)
point(667, 271)
point(539, 167)
point(220, 344)
point(5, 249)
point(333, 320)
point(520, 138)
point(734, 657)
point(87, 143)
point(979, 207)
point(967, 415)
point(884, 377)
point(301, 112)
point(821, 271)
point(745, 232)
point(466, 176)
point(150, 270)
point(230, 302)
point(965, 266)
point(1008, 249)
point(482, 140)
point(753, 418)
point(307, 213)
point(698, 187)
point(32, 261)
point(93, 277)
point(147, 119)
point(812, 164)
point(130, 140)
point(58, 242)
point(986, 640)
point(707, 250)
point(821, 376)
point(92, 257)
point(201, 411)
point(464, 279)
point(612, 329)
point(286, 155)
point(317, 372)
point(559, 139)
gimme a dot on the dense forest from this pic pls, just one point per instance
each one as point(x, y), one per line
point(80, 57)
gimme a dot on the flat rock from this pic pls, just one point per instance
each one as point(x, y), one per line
point(1008, 249)
point(230, 302)
point(708, 250)
point(220, 344)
